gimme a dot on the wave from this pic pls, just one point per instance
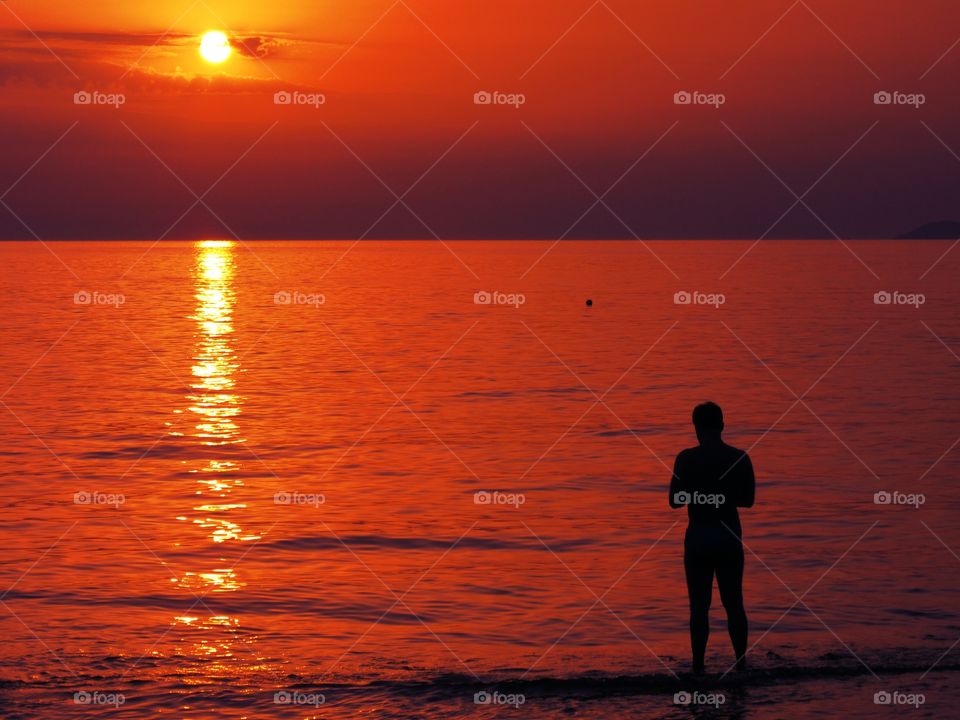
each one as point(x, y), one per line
point(221, 604)
point(166, 683)
point(601, 685)
point(588, 685)
point(326, 542)
point(630, 431)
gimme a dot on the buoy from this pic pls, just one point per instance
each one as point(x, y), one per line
point(589, 303)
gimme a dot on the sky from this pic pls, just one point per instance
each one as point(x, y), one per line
point(385, 138)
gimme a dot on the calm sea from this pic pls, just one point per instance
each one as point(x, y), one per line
point(297, 479)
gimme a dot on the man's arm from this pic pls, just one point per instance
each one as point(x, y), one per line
point(748, 483)
point(676, 482)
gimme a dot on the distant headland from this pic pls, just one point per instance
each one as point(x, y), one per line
point(941, 230)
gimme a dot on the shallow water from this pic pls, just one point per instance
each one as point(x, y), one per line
point(181, 580)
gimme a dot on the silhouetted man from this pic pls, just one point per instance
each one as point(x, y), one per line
point(712, 480)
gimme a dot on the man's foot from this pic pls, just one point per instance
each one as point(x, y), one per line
point(698, 668)
point(741, 665)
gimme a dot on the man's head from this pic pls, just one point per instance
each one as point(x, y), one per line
point(708, 421)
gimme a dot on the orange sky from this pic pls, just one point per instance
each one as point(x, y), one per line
point(399, 80)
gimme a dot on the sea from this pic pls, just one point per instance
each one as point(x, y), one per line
point(295, 479)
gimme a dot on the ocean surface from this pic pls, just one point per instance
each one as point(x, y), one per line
point(395, 480)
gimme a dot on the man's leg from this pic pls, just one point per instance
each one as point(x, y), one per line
point(730, 583)
point(699, 572)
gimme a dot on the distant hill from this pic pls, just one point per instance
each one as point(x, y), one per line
point(942, 230)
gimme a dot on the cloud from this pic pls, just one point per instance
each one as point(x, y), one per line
point(102, 38)
point(147, 80)
point(116, 60)
point(47, 73)
point(260, 45)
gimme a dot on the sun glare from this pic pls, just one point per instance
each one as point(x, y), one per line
point(215, 46)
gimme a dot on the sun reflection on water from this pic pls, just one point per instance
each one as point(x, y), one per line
point(213, 399)
point(216, 580)
point(215, 405)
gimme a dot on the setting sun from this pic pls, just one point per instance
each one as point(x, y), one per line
point(215, 47)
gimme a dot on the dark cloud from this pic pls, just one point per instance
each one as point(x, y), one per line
point(259, 46)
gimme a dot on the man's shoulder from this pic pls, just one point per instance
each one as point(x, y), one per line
point(688, 454)
point(736, 451)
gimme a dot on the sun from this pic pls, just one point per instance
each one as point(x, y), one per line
point(215, 46)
